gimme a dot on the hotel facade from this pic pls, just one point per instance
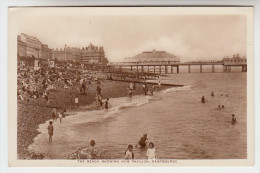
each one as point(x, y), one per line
point(29, 46)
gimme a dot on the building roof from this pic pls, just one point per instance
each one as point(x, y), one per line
point(154, 56)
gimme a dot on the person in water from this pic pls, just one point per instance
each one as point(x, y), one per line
point(129, 154)
point(234, 120)
point(212, 93)
point(151, 154)
point(203, 99)
point(223, 106)
point(143, 140)
point(50, 131)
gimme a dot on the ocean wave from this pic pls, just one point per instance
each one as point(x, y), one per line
point(117, 106)
point(174, 89)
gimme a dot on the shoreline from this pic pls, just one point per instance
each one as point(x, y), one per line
point(36, 112)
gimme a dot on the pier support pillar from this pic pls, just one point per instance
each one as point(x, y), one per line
point(171, 69)
point(137, 68)
point(189, 69)
point(224, 68)
point(148, 68)
point(153, 69)
point(131, 68)
point(160, 69)
point(244, 68)
point(229, 68)
point(166, 69)
point(200, 68)
point(213, 68)
point(178, 70)
point(142, 67)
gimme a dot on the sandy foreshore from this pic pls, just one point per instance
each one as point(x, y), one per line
point(35, 112)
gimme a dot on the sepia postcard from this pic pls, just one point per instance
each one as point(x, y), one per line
point(130, 86)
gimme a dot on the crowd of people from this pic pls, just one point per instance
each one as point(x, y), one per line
point(36, 84)
point(132, 87)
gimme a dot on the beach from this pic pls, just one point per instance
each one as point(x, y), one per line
point(35, 112)
point(180, 126)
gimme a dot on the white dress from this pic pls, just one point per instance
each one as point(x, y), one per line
point(151, 153)
point(128, 155)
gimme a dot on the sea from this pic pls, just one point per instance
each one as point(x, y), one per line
point(175, 120)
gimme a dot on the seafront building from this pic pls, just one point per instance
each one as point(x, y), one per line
point(93, 54)
point(29, 46)
point(236, 59)
point(153, 56)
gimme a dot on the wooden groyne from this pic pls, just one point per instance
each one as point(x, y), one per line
point(144, 82)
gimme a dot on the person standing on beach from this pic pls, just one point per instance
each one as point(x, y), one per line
point(146, 89)
point(131, 86)
point(83, 86)
point(50, 131)
point(54, 114)
point(76, 102)
point(130, 93)
point(143, 87)
point(107, 104)
point(159, 84)
point(60, 115)
point(152, 90)
point(99, 90)
point(97, 100)
point(100, 101)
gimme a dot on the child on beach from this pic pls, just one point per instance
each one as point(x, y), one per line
point(95, 153)
point(107, 104)
point(76, 102)
point(100, 101)
point(152, 90)
point(54, 114)
point(130, 93)
point(50, 131)
point(129, 152)
point(97, 100)
point(60, 116)
point(159, 84)
point(151, 154)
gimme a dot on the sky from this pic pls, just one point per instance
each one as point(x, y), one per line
point(190, 37)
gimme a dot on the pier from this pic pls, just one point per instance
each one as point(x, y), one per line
point(169, 66)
